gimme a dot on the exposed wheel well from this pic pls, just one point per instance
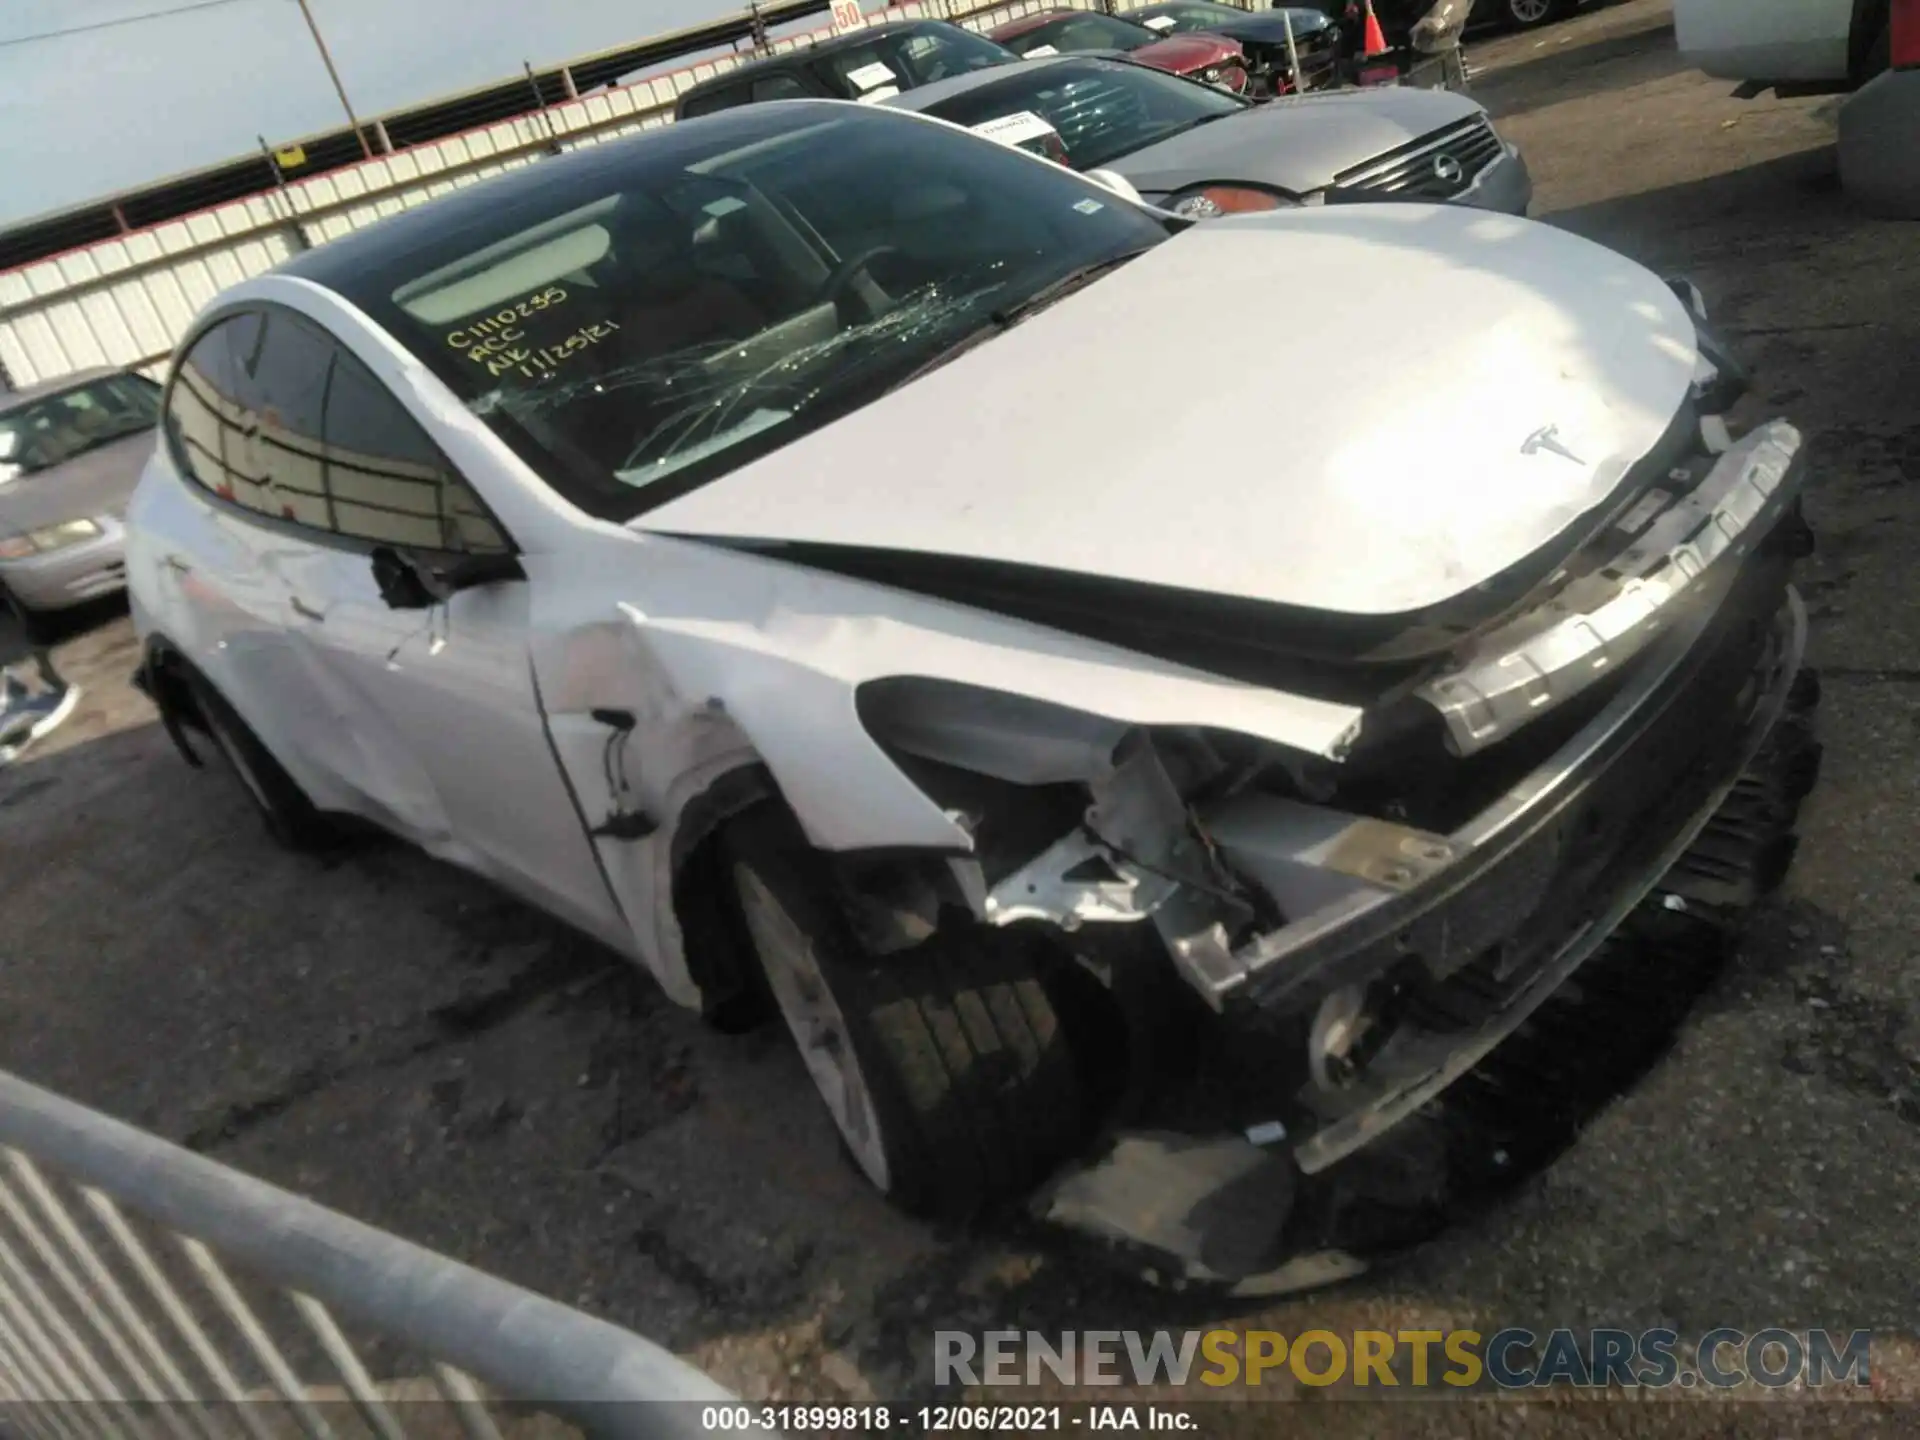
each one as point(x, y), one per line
point(713, 933)
point(1106, 1013)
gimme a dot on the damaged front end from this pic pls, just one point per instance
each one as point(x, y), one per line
point(1356, 934)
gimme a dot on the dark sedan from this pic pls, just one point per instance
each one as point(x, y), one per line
point(1195, 55)
point(870, 64)
point(1262, 34)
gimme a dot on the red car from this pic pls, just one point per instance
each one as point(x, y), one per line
point(1197, 55)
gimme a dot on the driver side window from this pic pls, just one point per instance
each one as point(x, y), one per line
point(271, 414)
point(388, 482)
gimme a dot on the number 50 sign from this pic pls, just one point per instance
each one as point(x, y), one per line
point(846, 15)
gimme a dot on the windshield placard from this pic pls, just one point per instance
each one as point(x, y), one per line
point(1015, 129)
point(870, 77)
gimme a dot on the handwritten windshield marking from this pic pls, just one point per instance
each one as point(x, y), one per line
point(500, 329)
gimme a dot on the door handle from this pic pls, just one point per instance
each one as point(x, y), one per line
point(306, 611)
point(178, 566)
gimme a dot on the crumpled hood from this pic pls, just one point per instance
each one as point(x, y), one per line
point(1358, 409)
point(1179, 54)
point(93, 483)
point(1297, 143)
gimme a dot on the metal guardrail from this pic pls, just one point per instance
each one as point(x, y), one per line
point(129, 1266)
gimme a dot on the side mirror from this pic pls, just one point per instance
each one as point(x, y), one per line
point(408, 582)
point(402, 585)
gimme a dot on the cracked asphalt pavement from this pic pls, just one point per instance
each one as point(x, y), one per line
point(400, 1041)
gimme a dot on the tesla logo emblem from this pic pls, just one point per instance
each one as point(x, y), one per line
point(1547, 439)
point(1447, 169)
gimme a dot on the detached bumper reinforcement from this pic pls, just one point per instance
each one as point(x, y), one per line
point(1456, 1054)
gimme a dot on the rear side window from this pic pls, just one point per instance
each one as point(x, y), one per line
point(779, 87)
point(899, 60)
point(274, 459)
point(272, 414)
point(203, 408)
point(711, 102)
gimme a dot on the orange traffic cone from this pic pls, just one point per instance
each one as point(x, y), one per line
point(1376, 39)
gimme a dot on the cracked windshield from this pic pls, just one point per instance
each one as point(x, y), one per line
point(681, 313)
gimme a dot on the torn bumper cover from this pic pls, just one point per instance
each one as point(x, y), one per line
point(1541, 883)
point(1406, 955)
point(1461, 936)
point(1409, 956)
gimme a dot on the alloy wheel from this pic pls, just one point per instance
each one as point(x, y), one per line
point(819, 1028)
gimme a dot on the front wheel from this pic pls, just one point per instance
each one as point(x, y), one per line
point(946, 1068)
point(29, 625)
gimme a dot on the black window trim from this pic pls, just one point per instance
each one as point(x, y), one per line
point(277, 524)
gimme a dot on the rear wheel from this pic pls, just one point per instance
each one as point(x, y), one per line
point(1527, 14)
point(946, 1068)
point(290, 817)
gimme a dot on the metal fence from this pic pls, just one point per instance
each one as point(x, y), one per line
point(124, 302)
point(146, 1291)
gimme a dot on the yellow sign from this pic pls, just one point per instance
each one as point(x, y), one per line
point(291, 156)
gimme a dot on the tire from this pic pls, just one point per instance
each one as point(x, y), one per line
point(30, 625)
point(1878, 58)
point(946, 1068)
point(1531, 14)
point(283, 807)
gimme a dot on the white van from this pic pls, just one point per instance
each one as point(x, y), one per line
point(1793, 47)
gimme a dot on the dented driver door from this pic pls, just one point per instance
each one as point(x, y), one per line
point(439, 725)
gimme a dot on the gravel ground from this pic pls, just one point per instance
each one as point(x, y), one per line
point(401, 1041)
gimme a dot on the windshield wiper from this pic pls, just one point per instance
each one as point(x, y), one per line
point(1195, 124)
point(1008, 316)
point(1077, 278)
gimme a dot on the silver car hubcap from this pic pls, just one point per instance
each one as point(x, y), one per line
point(819, 1028)
point(1529, 12)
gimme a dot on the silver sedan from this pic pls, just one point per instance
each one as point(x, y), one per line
point(70, 454)
point(1203, 153)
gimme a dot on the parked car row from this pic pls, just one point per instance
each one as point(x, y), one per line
point(1211, 59)
point(1194, 38)
point(1204, 154)
point(832, 554)
point(1135, 115)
